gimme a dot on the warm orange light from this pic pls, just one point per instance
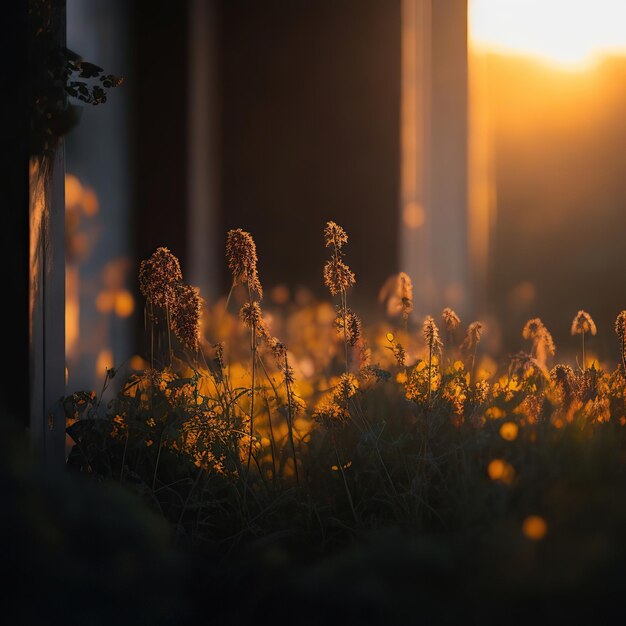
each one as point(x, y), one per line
point(124, 303)
point(280, 294)
point(73, 192)
point(413, 215)
point(90, 202)
point(501, 471)
point(535, 527)
point(137, 363)
point(572, 34)
point(105, 301)
point(103, 362)
point(508, 431)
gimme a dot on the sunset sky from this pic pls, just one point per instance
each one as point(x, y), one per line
point(571, 34)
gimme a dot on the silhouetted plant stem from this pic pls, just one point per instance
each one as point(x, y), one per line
point(272, 440)
point(583, 341)
point(345, 482)
point(252, 379)
point(290, 420)
point(430, 365)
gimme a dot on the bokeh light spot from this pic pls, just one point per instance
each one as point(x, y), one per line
point(413, 215)
point(535, 527)
point(508, 431)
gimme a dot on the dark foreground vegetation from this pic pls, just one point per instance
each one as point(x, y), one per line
point(379, 475)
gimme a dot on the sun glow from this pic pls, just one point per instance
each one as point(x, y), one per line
point(569, 34)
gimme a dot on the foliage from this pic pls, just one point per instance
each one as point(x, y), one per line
point(417, 458)
point(55, 74)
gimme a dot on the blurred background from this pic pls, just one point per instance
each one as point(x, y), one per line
point(475, 144)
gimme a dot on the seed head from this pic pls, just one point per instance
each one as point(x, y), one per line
point(536, 330)
point(352, 325)
point(399, 353)
point(583, 323)
point(472, 337)
point(522, 363)
point(450, 319)
point(564, 378)
point(278, 349)
point(334, 235)
point(337, 276)
point(620, 327)
point(331, 415)
point(346, 387)
point(252, 316)
point(242, 259)
point(405, 294)
point(431, 335)
point(186, 316)
point(279, 352)
point(159, 276)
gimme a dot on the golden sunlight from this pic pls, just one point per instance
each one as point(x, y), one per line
point(569, 34)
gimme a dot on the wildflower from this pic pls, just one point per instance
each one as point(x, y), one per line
point(620, 326)
point(252, 316)
point(405, 294)
point(242, 259)
point(450, 319)
point(346, 387)
point(472, 337)
point(523, 365)
point(158, 278)
point(590, 384)
point(186, 316)
point(543, 344)
point(337, 276)
point(334, 235)
point(397, 350)
point(330, 414)
point(583, 323)
point(349, 322)
point(278, 349)
point(431, 335)
point(564, 378)
point(218, 362)
point(480, 392)
point(399, 353)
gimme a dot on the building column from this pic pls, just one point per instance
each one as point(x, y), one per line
point(433, 188)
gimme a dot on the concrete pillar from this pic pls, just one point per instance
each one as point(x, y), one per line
point(433, 197)
point(205, 244)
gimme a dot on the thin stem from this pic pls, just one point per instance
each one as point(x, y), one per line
point(272, 440)
point(430, 365)
point(344, 311)
point(230, 293)
point(151, 335)
point(345, 482)
point(191, 490)
point(124, 455)
point(156, 465)
point(583, 334)
point(290, 420)
point(344, 314)
point(252, 383)
point(472, 370)
point(169, 336)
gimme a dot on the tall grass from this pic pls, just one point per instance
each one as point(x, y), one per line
point(348, 428)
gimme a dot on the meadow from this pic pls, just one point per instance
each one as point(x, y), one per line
point(312, 467)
